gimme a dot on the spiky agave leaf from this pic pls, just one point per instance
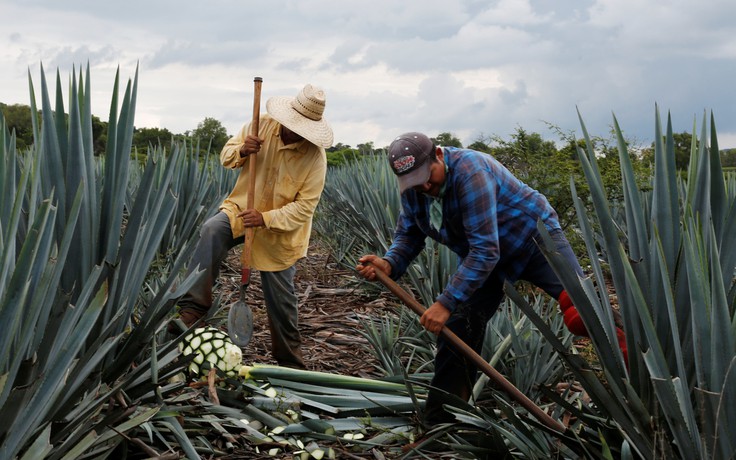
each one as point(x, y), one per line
point(59, 351)
point(667, 273)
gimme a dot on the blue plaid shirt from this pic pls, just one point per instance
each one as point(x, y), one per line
point(488, 219)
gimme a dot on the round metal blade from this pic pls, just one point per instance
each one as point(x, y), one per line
point(240, 323)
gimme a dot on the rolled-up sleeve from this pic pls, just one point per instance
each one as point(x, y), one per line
point(230, 154)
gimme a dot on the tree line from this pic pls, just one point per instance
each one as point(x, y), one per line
point(211, 136)
point(210, 133)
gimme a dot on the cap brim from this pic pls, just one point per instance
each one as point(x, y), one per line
point(317, 132)
point(417, 177)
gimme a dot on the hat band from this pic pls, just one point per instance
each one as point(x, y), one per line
point(306, 111)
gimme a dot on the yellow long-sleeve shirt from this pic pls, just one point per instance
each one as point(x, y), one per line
point(289, 183)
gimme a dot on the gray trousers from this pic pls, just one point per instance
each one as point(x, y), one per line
point(215, 240)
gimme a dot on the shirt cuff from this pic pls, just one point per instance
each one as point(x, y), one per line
point(447, 301)
point(395, 270)
point(267, 219)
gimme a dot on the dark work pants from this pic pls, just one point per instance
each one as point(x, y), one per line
point(215, 240)
point(455, 374)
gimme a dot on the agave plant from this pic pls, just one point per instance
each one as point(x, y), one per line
point(399, 343)
point(80, 362)
point(672, 265)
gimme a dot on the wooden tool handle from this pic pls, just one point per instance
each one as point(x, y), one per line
point(481, 363)
point(250, 201)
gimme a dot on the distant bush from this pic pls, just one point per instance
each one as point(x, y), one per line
point(342, 156)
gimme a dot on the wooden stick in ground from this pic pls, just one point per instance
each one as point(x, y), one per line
point(481, 363)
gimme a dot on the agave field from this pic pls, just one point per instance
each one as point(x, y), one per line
point(93, 253)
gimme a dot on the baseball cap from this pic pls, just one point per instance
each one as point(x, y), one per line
point(410, 156)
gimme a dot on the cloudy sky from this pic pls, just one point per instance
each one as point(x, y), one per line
point(470, 67)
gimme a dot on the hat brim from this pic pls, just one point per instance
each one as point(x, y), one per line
point(317, 132)
point(417, 177)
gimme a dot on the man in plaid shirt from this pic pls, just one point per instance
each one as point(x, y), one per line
point(471, 203)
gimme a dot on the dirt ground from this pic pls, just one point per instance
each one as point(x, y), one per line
point(331, 304)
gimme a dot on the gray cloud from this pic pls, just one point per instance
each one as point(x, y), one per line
point(465, 66)
point(66, 56)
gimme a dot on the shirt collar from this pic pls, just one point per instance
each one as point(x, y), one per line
point(301, 146)
point(441, 194)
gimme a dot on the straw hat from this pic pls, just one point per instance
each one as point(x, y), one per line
point(303, 115)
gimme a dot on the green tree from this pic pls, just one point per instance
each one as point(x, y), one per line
point(609, 164)
point(211, 131)
point(342, 156)
point(99, 135)
point(18, 119)
point(682, 142)
point(365, 149)
point(337, 147)
point(532, 159)
point(728, 158)
point(480, 145)
point(145, 138)
point(447, 140)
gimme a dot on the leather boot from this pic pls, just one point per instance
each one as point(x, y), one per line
point(188, 316)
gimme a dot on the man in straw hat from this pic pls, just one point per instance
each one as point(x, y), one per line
point(471, 203)
point(291, 166)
